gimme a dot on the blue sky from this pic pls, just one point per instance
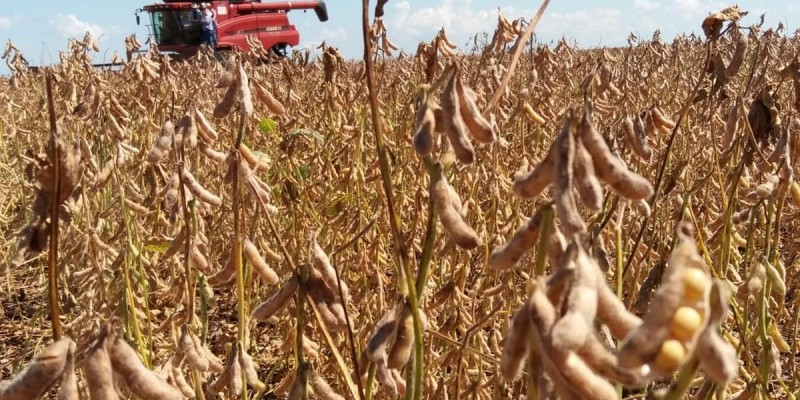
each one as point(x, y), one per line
point(40, 29)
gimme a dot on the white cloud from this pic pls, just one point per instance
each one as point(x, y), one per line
point(588, 27)
point(645, 4)
point(696, 9)
point(6, 23)
point(458, 18)
point(402, 6)
point(331, 37)
point(334, 35)
point(69, 26)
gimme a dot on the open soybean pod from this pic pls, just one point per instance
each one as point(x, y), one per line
point(676, 317)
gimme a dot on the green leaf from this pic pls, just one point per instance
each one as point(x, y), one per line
point(158, 247)
point(305, 171)
point(267, 125)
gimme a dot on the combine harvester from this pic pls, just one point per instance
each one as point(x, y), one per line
point(175, 25)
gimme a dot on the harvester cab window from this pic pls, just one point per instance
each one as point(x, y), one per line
point(176, 27)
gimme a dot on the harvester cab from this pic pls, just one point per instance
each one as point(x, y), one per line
point(175, 25)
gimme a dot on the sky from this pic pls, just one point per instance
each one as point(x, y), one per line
point(41, 29)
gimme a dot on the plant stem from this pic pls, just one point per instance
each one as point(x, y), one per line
point(52, 256)
point(435, 171)
point(237, 255)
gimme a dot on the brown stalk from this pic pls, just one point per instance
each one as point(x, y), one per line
point(52, 256)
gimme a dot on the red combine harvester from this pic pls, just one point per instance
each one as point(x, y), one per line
point(175, 25)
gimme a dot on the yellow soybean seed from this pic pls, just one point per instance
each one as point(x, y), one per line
point(696, 282)
point(685, 323)
point(671, 355)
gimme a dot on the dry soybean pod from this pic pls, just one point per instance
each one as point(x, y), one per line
point(634, 135)
point(517, 344)
point(738, 56)
point(214, 363)
point(613, 313)
point(186, 351)
point(377, 345)
point(400, 351)
point(245, 97)
point(277, 301)
point(478, 126)
point(198, 190)
point(141, 381)
point(586, 183)
point(269, 101)
point(571, 331)
point(179, 381)
point(609, 168)
point(205, 129)
point(322, 264)
point(424, 125)
point(258, 263)
point(461, 233)
point(664, 124)
point(321, 387)
point(225, 274)
point(189, 129)
point(161, 147)
point(385, 378)
point(232, 94)
point(98, 373)
point(453, 124)
point(717, 357)
point(523, 240)
point(68, 389)
point(530, 185)
point(565, 366)
point(563, 177)
point(600, 358)
point(42, 373)
point(211, 153)
point(250, 371)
